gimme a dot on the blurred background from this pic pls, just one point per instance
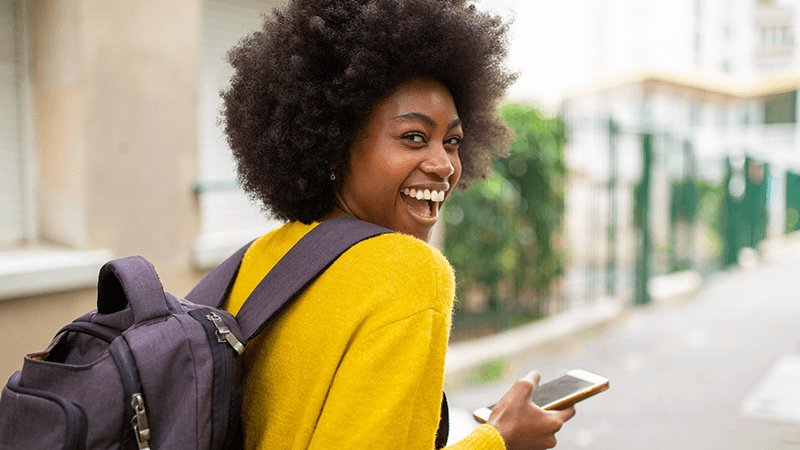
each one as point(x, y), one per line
point(642, 225)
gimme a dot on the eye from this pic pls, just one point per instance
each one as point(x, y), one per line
point(455, 140)
point(416, 138)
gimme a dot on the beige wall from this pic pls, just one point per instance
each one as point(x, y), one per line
point(114, 92)
point(115, 119)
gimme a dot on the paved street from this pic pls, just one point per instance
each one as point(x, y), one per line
point(681, 370)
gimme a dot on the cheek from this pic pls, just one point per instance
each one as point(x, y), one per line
point(373, 177)
point(456, 162)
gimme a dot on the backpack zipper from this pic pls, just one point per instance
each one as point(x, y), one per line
point(224, 333)
point(141, 427)
point(223, 429)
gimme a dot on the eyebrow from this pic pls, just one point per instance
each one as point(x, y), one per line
point(423, 118)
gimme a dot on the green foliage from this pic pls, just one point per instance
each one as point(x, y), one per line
point(491, 371)
point(501, 232)
point(684, 200)
point(711, 194)
point(694, 200)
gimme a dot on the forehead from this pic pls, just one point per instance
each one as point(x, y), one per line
point(418, 95)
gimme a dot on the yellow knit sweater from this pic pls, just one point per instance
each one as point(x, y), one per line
point(357, 361)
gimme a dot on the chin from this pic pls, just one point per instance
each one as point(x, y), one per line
point(423, 235)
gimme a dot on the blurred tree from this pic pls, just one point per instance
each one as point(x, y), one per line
point(501, 233)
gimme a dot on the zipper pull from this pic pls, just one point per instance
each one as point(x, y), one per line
point(140, 426)
point(224, 333)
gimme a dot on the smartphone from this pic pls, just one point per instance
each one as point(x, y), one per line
point(561, 393)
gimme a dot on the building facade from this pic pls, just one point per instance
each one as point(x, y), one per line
point(714, 86)
point(110, 146)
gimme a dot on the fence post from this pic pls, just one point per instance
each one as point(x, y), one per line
point(756, 182)
point(642, 216)
point(677, 202)
point(611, 262)
point(792, 202)
point(733, 225)
point(692, 195)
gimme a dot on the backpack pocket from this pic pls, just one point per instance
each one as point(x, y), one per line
point(32, 418)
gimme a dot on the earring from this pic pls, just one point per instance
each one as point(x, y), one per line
point(333, 175)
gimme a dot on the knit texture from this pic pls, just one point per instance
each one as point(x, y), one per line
point(357, 361)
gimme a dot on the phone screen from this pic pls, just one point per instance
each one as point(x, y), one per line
point(558, 388)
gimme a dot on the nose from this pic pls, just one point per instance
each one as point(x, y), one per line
point(439, 162)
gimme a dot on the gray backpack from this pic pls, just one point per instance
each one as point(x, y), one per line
point(149, 369)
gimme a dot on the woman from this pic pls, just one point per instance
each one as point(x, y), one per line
point(375, 109)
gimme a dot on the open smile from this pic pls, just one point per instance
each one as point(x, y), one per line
point(423, 204)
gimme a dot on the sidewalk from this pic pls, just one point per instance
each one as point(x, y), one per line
point(685, 374)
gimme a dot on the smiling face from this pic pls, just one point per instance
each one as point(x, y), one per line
point(404, 162)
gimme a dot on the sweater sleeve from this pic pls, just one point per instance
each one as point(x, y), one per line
point(485, 437)
point(387, 391)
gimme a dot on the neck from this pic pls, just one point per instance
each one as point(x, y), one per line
point(340, 210)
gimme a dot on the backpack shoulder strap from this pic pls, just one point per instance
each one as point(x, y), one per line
point(304, 262)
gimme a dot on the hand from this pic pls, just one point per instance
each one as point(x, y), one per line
point(524, 425)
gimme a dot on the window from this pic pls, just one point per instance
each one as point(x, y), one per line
point(228, 218)
point(721, 118)
point(776, 37)
point(780, 108)
point(695, 114)
point(27, 266)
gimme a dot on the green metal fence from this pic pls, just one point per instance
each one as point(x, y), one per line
point(676, 213)
point(645, 205)
point(792, 222)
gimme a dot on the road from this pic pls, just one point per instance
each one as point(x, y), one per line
point(682, 371)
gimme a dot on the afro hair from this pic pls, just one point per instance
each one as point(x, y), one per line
point(305, 83)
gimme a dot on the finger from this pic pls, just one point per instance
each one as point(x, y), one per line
point(533, 377)
point(523, 388)
point(565, 414)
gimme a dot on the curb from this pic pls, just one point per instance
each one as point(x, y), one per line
point(465, 356)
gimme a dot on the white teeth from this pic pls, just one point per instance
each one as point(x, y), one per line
point(426, 194)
